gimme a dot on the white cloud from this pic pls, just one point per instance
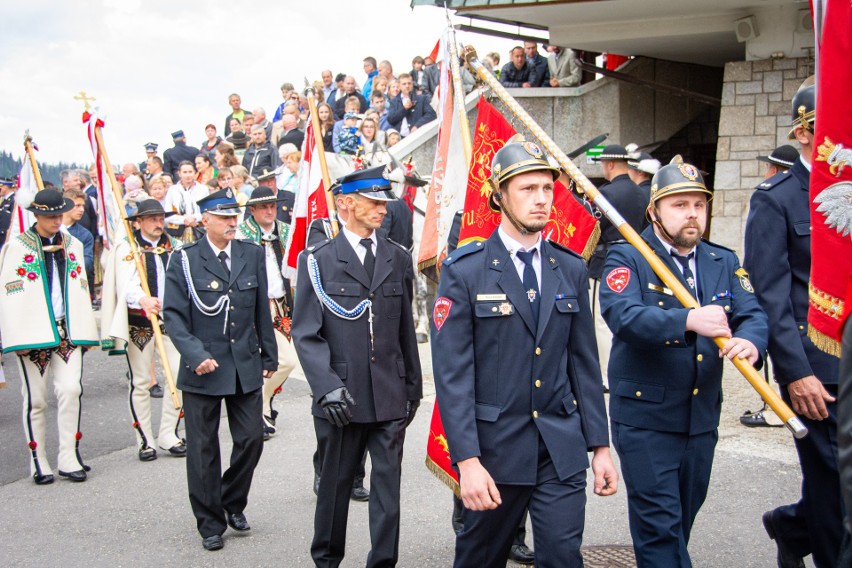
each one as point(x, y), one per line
point(159, 66)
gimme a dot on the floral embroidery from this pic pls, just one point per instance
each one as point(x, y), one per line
point(74, 269)
point(30, 268)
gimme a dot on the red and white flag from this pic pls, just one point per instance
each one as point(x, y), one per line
point(449, 173)
point(27, 188)
point(310, 202)
point(109, 216)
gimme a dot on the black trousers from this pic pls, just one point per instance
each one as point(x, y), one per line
point(359, 475)
point(341, 450)
point(557, 509)
point(814, 525)
point(212, 493)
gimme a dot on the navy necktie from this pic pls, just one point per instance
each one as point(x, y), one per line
point(223, 258)
point(369, 258)
point(687, 272)
point(530, 282)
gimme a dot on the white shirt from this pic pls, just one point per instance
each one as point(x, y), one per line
point(692, 265)
point(56, 299)
point(355, 241)
point(179, 199)
point(134, 288)
point(805, 163)
point(216, 250)
point(514, 247)
point(274, 278)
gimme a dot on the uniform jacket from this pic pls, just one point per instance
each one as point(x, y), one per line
point(335, 352)
point(7, 206)
point(26, 312)
point(174, 156)
point(662, 377)
point(778, 256)
point(418, 115)
point(493, 369)
point(398, 223)
point(247, 345)
point(629, 200)
point(250, 230)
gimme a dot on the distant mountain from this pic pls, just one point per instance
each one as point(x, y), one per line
point(11, 166)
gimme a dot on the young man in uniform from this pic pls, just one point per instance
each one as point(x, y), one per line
point(263, 228)
point(517, 376)
point(665, 372)
point(354, 334)
point(127, 329)
point(217, 315)
point(46, 320)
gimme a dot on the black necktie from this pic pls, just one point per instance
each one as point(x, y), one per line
point(687, 272)
point(223, 258)
point(530, 282)
point(369, 258)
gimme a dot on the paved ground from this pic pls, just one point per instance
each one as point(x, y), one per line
point(137, 514)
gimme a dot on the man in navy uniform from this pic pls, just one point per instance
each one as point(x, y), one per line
point(517, 376)
point(665, 371)
point(354, 334)
point(217, 314)
point(778, 253)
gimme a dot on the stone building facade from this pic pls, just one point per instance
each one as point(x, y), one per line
point(755, 118)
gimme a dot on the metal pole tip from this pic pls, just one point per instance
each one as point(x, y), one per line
point(797, 428)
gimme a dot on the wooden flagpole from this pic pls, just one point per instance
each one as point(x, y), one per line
point(660, 269)
point(326, 181)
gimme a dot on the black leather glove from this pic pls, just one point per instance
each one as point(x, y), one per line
point(335, 404)
point(411, 407)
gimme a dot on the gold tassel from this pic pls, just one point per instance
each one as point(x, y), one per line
point(824, 342)
point(592, 242)
point(443, 476)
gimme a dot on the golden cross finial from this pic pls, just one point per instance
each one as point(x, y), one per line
point(83, 97)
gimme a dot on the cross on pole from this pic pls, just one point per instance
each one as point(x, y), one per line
point(83, 97)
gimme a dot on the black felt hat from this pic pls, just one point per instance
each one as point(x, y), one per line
point(148, 207)
point(50, 202)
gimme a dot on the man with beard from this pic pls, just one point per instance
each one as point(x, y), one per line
point(517, 376)
point(665, 371)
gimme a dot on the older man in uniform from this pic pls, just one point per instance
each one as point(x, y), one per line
point(354, 334)
point(126, 328)
point(665, 371)
point(217, 315)
point(518, 378)
point(778, 253)
point(263, 228)
point(46, 320)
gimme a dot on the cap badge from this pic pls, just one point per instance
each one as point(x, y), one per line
point(533, 150)
point(688, 171)
point(229, 194)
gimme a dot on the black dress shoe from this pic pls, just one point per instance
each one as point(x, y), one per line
point(266, 435)
point(316, 484)
point(147, 454)
point(753, 419)
point(360, 493)
point(76, 476)
point(786, 557)
point(156, 391)
point(214, 542)
point(269, 422)
point(42, 479)
point(178, 450)
point(238, 522)
point(521, 554)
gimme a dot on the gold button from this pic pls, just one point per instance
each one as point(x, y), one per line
point(638, 393)
point(677, 341)
point(660, 303)
point(695, 391)
point(700, 357)
point(494, 309)
point(575, 402)
point(538, 384)
point(668, 342)
point(570, 306)
point(801, 327)
point(727, 308)
point(535, 413)
point(538, 350)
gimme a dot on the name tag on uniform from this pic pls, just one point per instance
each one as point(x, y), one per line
point(660, 289)
point(490, 297)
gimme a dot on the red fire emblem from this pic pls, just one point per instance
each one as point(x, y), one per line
point(441, 311)
point(618, 279)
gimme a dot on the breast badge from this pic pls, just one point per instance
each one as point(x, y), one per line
point(618, 278)
point(744, 281)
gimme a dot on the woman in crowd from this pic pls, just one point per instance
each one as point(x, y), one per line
point(289, 180)
point(205, 168)
point(326, 120)
point(369, 136)
point(393, 136)
point(393, 90)
point(242, 183)
point(157, 189)
point(224, 156)
point(213, 140)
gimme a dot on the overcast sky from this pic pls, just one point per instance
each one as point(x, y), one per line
point(159, 66)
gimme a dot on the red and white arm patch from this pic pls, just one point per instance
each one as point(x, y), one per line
point(441, 311)
point(618, 278)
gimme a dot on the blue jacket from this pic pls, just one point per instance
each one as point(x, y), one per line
point(778, 255)
point(83, 235)
point(662, 377)
point(494, 369)
point(418, 115)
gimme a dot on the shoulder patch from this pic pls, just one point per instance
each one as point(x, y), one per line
point(774, 181)
point(467, 249)
point(390, 240)
point(718, 246)
point(563, 248)
point(249, 242)
point(316, 247)
point(184, 246)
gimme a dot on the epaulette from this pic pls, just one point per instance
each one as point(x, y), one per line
point(563, 248)
point(183, 246)
point(249, 241)
point(718, 246)
point(390, 240)
point(463, 251)
point(773, 181)
point(316, 247)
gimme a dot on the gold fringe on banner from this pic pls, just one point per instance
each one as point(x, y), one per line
point(593, 242)
point(443, 476)
point(824, 342)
